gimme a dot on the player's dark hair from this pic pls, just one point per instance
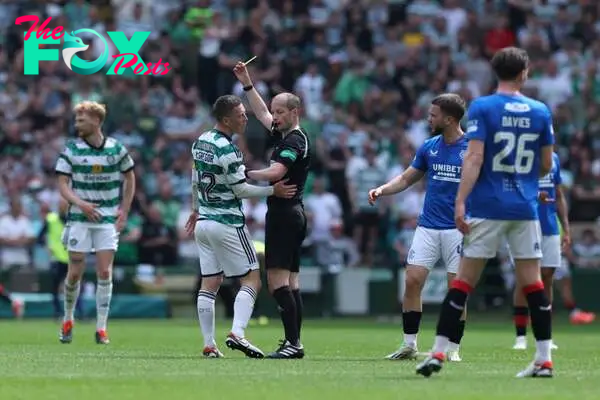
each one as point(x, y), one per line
point(509, 62)
point(224, 106)
point(451, 105)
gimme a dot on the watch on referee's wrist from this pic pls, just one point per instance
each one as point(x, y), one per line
point(248, 88)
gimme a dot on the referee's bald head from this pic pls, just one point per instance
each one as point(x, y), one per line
point(287, 100)
point(285, 109)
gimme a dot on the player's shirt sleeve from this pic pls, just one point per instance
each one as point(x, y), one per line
point(233, 166)
point(547, 136)
point(476, 129)
point(63, 164)
point(292, 148)
point(126, 163)
point(557, 172)
point(420, 160)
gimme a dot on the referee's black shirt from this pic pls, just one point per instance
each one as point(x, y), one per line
point(293, 151)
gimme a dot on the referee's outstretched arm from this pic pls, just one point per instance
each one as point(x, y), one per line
point(258, 106)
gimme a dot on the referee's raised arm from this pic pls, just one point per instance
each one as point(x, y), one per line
point(257, 104)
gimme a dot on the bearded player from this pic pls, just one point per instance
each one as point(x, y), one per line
point(436, 237)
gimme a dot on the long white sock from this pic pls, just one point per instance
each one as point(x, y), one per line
point(441, 344)
point(242, 310)
point(453, 346)
point(410, 339)
point(543, 351)
point(103, 296)
point(206, 316)
point(70, 300)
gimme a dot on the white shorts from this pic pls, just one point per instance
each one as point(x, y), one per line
point(85, 238)
point(551, 252)
point(563, 271)
point(431, 245)
point(486, 236)
point(224, 249)
point(551, 256)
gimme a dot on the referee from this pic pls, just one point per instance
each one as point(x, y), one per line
point(286, 221)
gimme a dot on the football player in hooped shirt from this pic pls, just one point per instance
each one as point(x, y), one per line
point(510, 148)
point(436, 237)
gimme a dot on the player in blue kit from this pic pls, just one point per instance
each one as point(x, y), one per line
point(510, 148)
point(552, 204)
point(436, 237)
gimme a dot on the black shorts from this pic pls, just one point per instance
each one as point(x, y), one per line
point(285, 230)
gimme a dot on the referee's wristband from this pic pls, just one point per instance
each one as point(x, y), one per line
point(248, 88)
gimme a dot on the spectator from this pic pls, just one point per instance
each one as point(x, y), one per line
point(586, 251)
point(158, 242)
point(323, 208)
point(16, 237)
point(367, 217)
point(338, 252)
point(403, 238)
point(255, 210)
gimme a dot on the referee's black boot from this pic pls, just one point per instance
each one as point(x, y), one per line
point(287, 351)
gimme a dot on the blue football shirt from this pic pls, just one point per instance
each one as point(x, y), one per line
point(442, 163)
point(548, 212)
point(513, 128)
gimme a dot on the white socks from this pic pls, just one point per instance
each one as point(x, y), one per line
point(441, 344)
point(103, 296)
point(543, 350)
point(453, 346)
point(410, 340)
point(206, 316)
point(242, 310)
point(70, 300)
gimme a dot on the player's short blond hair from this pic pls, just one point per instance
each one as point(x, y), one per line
point(91, 107)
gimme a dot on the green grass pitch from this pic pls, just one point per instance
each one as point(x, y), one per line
point(161, 360)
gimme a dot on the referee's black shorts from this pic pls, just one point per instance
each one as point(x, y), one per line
point(285, 230)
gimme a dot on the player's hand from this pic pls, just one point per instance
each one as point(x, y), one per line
point(90, 210)
point(241, 73)
point(280, 189)
point(374, 194)
point(459, 218)
point(190, 225)
point(566, 242)
point(121, 221)
point(544, 198)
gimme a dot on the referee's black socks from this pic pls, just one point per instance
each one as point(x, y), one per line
point(299, 309)
point(289, 313)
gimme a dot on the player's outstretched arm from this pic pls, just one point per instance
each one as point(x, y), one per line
point(273, 173)
point(398, 184)
point(258, 106)
point(244, 190)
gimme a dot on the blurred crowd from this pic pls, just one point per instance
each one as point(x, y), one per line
point(366, 71)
